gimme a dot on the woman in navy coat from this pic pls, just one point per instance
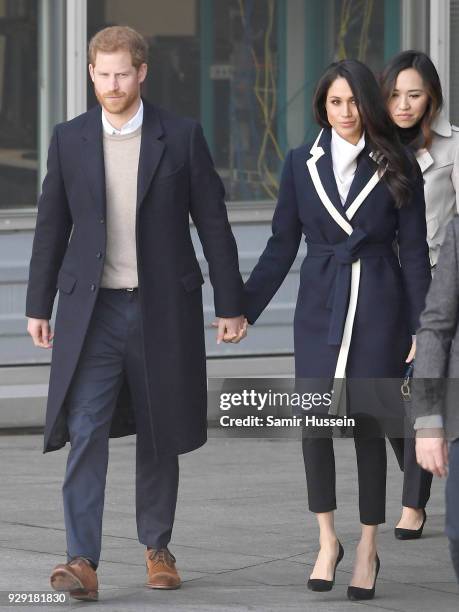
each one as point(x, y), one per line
point(353, 194)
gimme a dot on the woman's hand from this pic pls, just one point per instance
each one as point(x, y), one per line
point(412, 352)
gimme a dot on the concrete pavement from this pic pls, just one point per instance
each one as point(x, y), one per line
point(243, 539)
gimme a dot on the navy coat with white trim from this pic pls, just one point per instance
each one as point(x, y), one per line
point(176, 179)
point(358, 303)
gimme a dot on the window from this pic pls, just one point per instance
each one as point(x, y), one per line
point(18, 103)
point(247, 69)
point(359, 31)
point(217, 61)
point(248, 98)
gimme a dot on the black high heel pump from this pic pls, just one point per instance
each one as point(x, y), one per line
point(357, 593)
point(410, 534)
point(320, 585)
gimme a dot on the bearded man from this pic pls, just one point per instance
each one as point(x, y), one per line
point(113, 236)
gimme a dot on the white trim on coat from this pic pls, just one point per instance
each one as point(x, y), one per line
point(340, 370)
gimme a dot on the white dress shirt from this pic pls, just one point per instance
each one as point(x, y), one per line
point(344, 156)
point(130, 126)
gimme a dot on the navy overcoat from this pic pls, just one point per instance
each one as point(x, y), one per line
point(176, 178)
point(366, 273)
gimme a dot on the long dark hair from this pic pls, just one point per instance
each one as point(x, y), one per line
point(424, 65)
point(380, 132)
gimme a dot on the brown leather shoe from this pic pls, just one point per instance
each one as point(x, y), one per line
point(161, 571)
point(77, 578)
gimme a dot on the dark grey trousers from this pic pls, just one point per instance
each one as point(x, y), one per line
point(113, 349)
point(452, 504)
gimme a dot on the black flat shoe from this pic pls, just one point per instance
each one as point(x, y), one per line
point(410, 534)
point(319, 585)
point(357, 593)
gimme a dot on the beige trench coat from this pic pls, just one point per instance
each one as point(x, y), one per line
point(440, 168)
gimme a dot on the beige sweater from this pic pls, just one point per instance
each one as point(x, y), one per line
point(121, 158)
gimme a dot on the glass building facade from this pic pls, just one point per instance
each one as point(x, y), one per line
point(246, 69)
point(230, 64)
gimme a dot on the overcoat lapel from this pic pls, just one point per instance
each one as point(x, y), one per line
point(366, 168)
point(371, 175)
point(425, 159)
point(94, 158)
point(151, 150)
point(325, 169)
point(320, 173)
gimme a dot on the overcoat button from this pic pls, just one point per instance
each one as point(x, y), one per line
point(93, 287)
point(102, 220)
point(99, 255)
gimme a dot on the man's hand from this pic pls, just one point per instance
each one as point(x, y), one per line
point(41, 333)
point(432, 452)
point(231, 330)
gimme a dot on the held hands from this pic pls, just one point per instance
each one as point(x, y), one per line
point(231, 330)
point(432, 452)
point(41, 333)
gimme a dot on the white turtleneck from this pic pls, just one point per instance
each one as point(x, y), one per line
point(344, 156)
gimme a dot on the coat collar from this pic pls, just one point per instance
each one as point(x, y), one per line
point(321, 151)
point(424, 159)
point(441, 126)
point(93, 158)
point(151, 151)
point(366, 168)
point(321, 170)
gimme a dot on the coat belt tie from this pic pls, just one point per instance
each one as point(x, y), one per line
point(346, 253)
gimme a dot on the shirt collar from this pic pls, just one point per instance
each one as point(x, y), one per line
point(344, 144)
point(346, 152)
point(130, 126)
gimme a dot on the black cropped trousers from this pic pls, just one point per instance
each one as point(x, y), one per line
point(319, 462)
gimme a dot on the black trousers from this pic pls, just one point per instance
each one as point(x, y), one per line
point(319, 463)
point(416, 480)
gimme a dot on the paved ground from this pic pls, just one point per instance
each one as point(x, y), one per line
point(243, 537)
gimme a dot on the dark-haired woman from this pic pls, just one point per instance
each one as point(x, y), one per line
point(412, 91)
point(351, 194)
